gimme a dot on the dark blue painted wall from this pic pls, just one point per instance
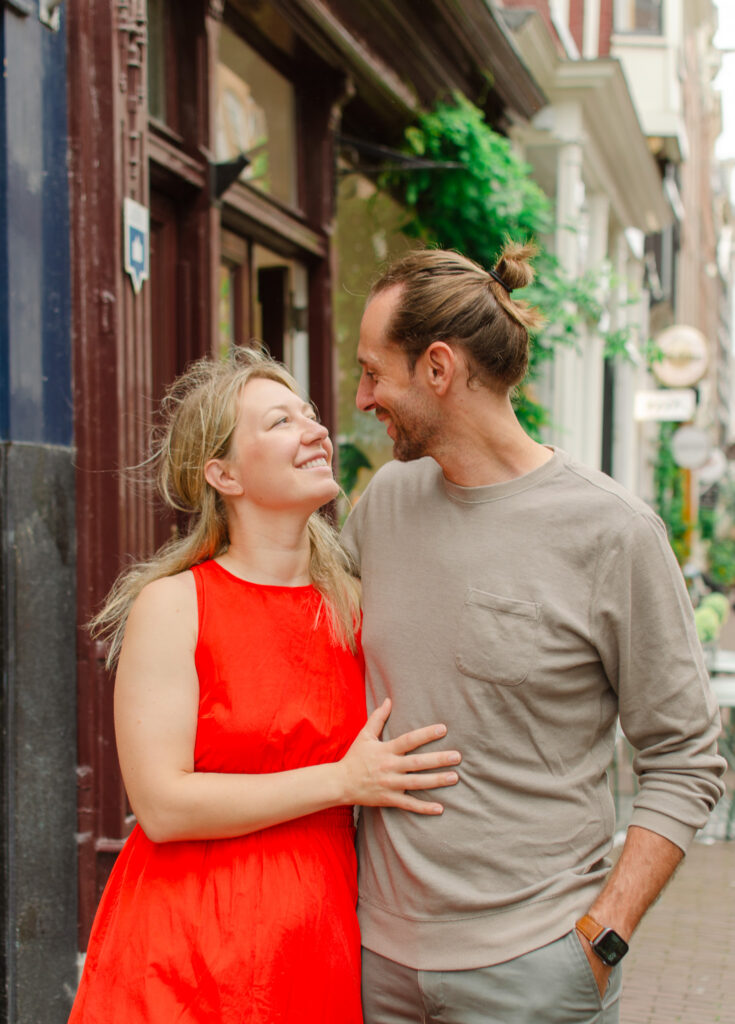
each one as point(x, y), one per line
point(35, 347)
point(37, 542)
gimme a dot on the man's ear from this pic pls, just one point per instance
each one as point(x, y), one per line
point(218, 474)
point(440, 364)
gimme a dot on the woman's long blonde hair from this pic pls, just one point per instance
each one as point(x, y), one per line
point(200, 412)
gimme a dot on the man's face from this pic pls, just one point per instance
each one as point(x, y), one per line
point(398, 396)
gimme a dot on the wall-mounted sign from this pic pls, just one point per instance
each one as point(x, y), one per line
point(713, 469)
point(669, 405)
point(136, 239)
point(684, 356)
point(691, 447)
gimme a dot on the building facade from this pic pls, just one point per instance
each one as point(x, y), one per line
point(589, 152)
point(169, 191)
point(629, 157)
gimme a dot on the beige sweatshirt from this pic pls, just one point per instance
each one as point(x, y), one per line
point(525, 615)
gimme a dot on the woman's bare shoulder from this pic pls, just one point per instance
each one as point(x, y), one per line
point(170, 599)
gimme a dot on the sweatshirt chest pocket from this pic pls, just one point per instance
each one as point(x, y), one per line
point(497, 638)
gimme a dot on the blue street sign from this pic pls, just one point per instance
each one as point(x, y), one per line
point(136, 239)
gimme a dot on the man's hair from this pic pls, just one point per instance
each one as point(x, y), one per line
point(447, 297)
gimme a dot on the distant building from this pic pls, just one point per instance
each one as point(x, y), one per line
point(632, 122)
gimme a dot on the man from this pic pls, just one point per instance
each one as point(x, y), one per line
point(526, 601)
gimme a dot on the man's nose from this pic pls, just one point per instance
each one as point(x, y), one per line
point(364, 397)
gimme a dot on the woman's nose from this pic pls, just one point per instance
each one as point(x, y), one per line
point(315, 431)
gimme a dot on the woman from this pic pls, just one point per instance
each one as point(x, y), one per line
point(239, 717)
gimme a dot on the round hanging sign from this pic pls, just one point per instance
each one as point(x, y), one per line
point(690, 447)
point(685, 355)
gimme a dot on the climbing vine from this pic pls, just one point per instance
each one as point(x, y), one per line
point(476, 207)
point(669, 489)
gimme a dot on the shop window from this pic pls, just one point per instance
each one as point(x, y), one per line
point(227, 316)
point(644, 16)
point(234, 317)
point(256, 116)
point(263, 299)
point(280, 309)
point(156, 61)
point(173, 59)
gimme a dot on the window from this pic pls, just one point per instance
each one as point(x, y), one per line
point(256, 115)
point(157, 30)
point(644, 16)
point(263, 297)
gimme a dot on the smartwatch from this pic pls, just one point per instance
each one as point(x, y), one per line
point(607, 944)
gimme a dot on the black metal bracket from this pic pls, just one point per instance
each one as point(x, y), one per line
point(22, 7)
point(401, 162)
point(224, 174)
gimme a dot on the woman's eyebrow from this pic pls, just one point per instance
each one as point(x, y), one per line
point(306, 407)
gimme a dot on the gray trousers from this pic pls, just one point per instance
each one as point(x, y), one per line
point(550, 985)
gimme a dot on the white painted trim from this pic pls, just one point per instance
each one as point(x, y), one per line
point(591, 30)
point(560, 20)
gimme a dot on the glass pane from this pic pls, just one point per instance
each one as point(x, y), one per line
point(256, 115)
point(280, 310)
point(639, 16)
point(648, 16)
point(156, 60)
point(226, 309)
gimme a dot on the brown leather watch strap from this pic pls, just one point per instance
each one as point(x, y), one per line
point(589, 927)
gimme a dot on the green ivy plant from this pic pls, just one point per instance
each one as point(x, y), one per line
point(669, 490)
point(717, 530)
point(475, 208)
point(721, 561)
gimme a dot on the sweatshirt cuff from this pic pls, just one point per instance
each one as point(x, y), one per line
point(675, 831)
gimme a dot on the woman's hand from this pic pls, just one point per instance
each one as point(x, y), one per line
point(156, 704)
point(379, 774)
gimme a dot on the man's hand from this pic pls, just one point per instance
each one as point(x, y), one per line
point(600, 970)
point(646, 863)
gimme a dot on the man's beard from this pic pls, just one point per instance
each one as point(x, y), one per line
point(415, 435)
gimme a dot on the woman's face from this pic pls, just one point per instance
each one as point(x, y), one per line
point(280, 456)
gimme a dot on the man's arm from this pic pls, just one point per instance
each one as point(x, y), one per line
point(643, 625)
point(646, 863)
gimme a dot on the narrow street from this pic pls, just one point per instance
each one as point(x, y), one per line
point(681, 966)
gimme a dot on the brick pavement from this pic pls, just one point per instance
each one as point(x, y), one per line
point(681, 966)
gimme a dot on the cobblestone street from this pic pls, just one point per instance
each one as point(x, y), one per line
point(681, 966)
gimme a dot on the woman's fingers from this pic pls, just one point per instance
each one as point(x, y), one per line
point(404, 802)
point(381, 773)
point(376, 722)
point(427, 762)
point(416, 738)
point(429, 780)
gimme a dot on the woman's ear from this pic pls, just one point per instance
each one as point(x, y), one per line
point(218, 474)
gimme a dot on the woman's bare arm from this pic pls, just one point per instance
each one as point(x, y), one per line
point(156, 706)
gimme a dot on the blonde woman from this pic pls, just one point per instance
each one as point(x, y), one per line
point(240, 724)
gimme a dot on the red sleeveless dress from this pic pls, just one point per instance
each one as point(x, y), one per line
point(260, 929)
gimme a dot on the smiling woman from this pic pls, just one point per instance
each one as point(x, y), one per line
point(240, 727)
point(277, 434)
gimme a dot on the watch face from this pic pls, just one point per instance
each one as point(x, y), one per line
point(610, 947)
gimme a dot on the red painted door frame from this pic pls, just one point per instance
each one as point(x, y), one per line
point(126, 351)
